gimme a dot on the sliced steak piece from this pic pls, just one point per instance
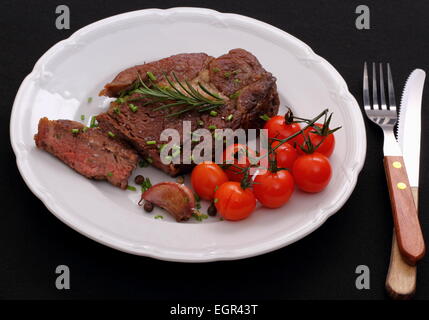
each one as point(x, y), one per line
point(248, 89)
point(89, 151)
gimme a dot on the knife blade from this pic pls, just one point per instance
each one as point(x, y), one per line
point(409, 124)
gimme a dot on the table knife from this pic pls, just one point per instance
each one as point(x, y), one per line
point(401, 277)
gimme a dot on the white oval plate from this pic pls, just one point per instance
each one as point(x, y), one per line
point(77, 68)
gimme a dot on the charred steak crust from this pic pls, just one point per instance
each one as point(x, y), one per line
point(91, 152)
point(248, 89)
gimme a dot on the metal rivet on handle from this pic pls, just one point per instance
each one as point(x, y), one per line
point(401, 186)
point(397, 164)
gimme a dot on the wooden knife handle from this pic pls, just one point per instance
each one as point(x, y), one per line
point(407, 227)
point(401, 277)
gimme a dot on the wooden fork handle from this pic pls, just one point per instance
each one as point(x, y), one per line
point(401, 277)
point(407, 227)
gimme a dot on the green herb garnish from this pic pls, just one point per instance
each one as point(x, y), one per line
point(229, 118)
point(109, 174)
point(265, 117)
point(212, 127)
point(82, 117)
point(213, 113)
point(131, 188)
point(85, 129)
point(89, 99)
point(133, 107)
point(216, 70)
point(93, 123)
point(74, 131)
point(116, 110)
point(200, 217)
point(158, 217)
point(151, 76)
point(111, 134)
point(178, 94)
point(227, 74)
point(151, 142)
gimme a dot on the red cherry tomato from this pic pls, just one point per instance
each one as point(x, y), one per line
point(237, 154)
point(326, 147)
point(206, 177)
point(233, 202)
point(312, 172)
point(274, 189)
point(286, 154)
point(277, 128)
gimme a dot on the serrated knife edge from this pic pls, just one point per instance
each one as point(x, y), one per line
point(409, 123)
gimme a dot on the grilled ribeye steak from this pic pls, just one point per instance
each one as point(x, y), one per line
point(89, 151)
point(248, 90)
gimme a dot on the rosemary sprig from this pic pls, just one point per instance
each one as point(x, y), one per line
point(178, 94)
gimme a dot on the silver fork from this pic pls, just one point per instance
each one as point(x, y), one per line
point(407, 226)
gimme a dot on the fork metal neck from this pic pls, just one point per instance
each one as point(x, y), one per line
point(390, 146)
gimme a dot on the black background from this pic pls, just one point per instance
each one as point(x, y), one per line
point(321, 266)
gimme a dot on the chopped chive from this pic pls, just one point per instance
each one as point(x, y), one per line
point(120, 100)
point(227, 74)
point(75, 130)
point(235, 72)
point(149, 160)
point(151, 76)
point(265, 117)
point(131, 188)
point(215, 70)
point(150, 142)
point(212, 127)
point(215, 200)
point(89, 99)
point(93, 122)
point(82, 117)
point(213, 113)
point(201, 122)
point(111, 134)
point(200, 217)
point(235, 95)
point(133, 108)
point(229, 118)
point(198, 205)
point(85, 129)
point(236, 80)
point(109, 174)
point(158, 217)
point(116, 110)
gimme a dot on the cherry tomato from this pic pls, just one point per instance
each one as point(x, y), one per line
point(206, 177)
point(327, 146)
point(236, 154)
point(274, 189)
point(233, 202)
point(312, 172)
point(286, 154)
point(277, 128)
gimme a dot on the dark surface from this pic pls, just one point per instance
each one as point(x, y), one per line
point(321, 266)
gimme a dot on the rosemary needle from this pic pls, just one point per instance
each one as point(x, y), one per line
point(178, 93)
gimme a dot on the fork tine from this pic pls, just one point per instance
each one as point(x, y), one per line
point(366, 101)
point(382, 90)
point(390, 89)
point(374, 88)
